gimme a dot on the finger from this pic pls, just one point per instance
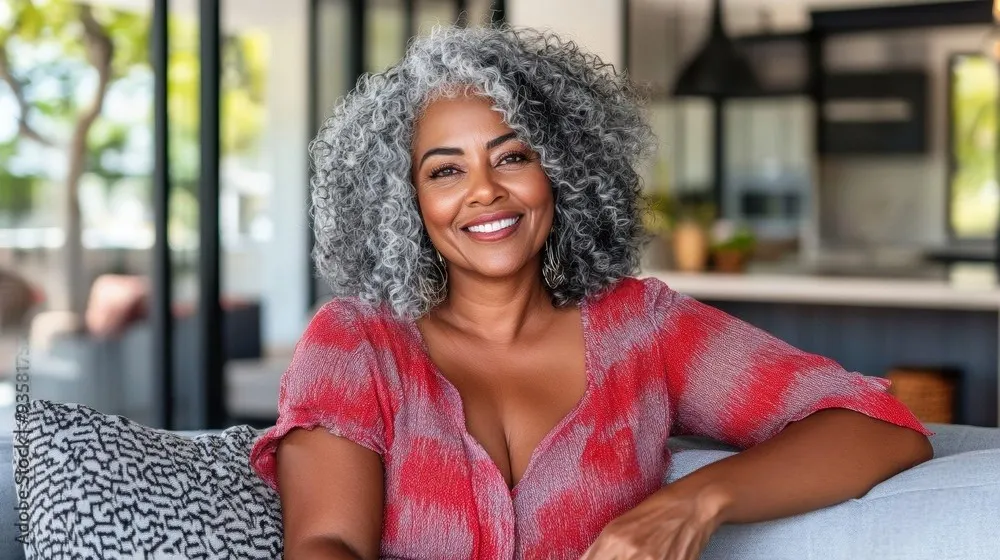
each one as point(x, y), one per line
point(668, 549)
point(689, 546)
point(607, 550)
point(627, 551)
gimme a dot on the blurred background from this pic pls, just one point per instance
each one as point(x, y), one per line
point(826, 170)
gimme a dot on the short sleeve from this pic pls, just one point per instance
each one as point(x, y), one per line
point(736, 383)
point(332, 382)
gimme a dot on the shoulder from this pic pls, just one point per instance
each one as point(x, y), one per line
point(348, 337)
point(636, 304)
point(364, 332)
point(348, 310)
point(345, 321)
point(637, 293)
point(347, 346)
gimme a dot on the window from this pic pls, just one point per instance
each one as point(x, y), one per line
point(973, 194)
point(72, 212)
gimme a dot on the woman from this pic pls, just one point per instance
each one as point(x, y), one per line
point(491, 382)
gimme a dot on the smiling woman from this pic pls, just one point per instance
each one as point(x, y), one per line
point(491, 382)
point(477, 185)
point(370, 239)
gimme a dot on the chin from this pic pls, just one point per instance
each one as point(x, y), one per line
point(498, 268)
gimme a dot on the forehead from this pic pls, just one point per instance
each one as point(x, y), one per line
point(452, 120)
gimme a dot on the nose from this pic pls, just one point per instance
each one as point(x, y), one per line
point(484, 188)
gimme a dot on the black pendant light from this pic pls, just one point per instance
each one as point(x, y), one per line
point(719, 69)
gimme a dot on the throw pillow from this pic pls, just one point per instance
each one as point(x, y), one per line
point(101, 486)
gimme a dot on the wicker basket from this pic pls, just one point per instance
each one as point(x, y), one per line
point(929, 392)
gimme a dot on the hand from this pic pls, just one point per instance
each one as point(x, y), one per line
point(669, 525)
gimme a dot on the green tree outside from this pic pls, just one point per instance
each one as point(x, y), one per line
point(50, 53)
point(974, 191)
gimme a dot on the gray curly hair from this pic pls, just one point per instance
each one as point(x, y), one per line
point(580, 115)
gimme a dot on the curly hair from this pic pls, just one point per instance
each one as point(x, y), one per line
point(581, 116)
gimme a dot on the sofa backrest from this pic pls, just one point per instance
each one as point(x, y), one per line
point(949, 440)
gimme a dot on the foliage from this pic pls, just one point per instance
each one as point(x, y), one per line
point(663, 211)
point(657, 212)
point(45, 46)
point(733, 238)
point(43, 62)
point(244, 82)
point(18, 191)
point(974, 124)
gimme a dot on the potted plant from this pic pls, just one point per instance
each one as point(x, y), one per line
point(732, 246)
point(690, 234)
point(680, 225)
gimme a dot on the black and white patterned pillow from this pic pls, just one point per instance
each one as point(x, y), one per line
point(101, 486)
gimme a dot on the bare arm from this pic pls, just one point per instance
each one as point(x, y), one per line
point(331, 497)
point(736, 383)
point(826, 458)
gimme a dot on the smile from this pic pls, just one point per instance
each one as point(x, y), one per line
point(493, 231)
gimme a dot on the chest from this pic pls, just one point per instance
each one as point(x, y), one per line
point(577, 406)
point(513, 397)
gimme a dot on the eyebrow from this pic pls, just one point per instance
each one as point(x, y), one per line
point(445, 151)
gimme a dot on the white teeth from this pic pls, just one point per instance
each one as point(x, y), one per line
point(494, 226)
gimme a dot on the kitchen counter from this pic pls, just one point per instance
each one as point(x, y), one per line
point(873, 318)
point(968, 287)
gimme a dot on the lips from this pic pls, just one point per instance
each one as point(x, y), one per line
point(496, 235)
point(491, 217)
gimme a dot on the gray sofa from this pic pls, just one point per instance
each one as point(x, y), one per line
point(978, 470)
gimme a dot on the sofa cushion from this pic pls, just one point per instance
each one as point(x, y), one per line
point(100, 486)
point(944, 508)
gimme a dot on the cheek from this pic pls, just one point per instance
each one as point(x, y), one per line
point(436, 211)
point(541, 190)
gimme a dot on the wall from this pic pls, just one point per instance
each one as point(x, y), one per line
point(860, 201)
point(594, 24)
point(895, 201)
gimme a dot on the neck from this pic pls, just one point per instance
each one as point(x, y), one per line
point(501, 311)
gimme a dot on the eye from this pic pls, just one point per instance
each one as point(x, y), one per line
point(446, 170)
point(513, 157)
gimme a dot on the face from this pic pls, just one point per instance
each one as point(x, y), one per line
point(467, 163)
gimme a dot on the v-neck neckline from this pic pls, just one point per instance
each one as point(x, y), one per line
point(570, 416)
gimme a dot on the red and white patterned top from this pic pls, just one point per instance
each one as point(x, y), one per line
point(658, 363)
